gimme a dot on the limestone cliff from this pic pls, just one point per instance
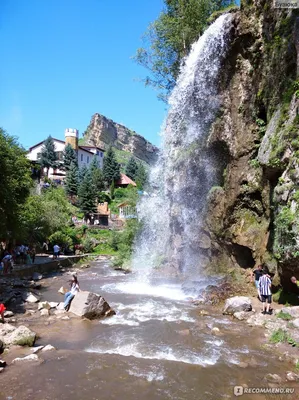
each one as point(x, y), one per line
point(103, 132)
point(253, 217)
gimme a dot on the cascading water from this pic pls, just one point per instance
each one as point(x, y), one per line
point(172, 213)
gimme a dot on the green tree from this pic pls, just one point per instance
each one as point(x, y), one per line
point(87, 194)
point(131, 168)
point(141, 176)
point(42, 215)
point(168, 39)
point(97, 175)
point(69, 157)
point(82, 172)
point(111, 168)
point(15, 183)
point(72, 180)
point(48, 156)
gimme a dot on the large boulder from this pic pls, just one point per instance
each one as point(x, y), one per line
point(90, 305)
point(22, 336)
point(236, 304)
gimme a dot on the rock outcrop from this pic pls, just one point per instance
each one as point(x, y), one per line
point(90, 305)
point(103, 132)
point(252, 215)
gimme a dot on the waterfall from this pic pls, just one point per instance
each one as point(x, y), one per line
point(172, 212)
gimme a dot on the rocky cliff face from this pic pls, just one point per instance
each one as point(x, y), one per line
point(253, 217)
point(103, 132)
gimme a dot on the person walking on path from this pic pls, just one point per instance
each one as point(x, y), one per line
point(56, 249)
point(265, 292)
point(68, 297)
point(257, 272)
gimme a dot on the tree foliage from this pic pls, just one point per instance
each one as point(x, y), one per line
point(141, 176)
point(168, 39)
point(72, 180)
point(48, 156)
point(15, 183)
point(97, 175)
point(69, 157)
point(131, 168)
point(87, 194)
point(44, 214)
point(111, 168)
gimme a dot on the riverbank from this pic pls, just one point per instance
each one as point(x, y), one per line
point(158, 343)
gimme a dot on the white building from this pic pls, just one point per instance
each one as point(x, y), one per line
point(85, 154)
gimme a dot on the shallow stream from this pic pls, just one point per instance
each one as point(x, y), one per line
point(156, 347)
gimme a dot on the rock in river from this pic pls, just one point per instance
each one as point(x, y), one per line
point(237, 303)
point(21, 336)
point(90, 305)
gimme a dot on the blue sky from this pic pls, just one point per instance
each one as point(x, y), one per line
point(64, 60)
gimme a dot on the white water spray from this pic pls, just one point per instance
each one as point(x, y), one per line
point(180, 181)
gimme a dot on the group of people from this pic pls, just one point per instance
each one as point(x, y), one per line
point(20, 254)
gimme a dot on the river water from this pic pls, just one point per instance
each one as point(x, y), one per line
point(157, 346)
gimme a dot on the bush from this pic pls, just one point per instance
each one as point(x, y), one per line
point(88, 244)
point(60, 238)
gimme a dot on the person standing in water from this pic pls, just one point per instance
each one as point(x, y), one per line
point(68, 297)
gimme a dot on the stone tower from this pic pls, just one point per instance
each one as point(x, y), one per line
point(72, 137)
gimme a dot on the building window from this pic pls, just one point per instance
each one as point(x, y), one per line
point(101, 154)
point(38, 155)
point(98, 152)
point(81, 157)
point(87, 159)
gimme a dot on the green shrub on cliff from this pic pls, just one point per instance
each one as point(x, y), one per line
point(168, 39)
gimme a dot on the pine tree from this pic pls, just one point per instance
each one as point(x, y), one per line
point(72, 180)
point(132, 168)
point(82, 172)
point(87, 194)
point(69, 157)
point(48, 156)
point(141, 176)
point(111, 168)
point(97, 175)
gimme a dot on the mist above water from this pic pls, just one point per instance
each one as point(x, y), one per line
point(172, 213)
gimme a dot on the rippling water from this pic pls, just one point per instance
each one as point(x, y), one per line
point(155, 347)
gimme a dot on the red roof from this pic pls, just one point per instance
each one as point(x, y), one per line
point(125, 180)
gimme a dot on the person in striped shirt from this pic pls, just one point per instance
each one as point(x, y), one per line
point(265, 292)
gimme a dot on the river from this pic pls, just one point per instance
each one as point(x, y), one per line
point(157, 346)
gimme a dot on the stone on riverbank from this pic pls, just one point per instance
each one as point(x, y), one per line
point(8, 314)
point(37, 277)
point(22, 336)
point(44, 312)
point(236, 304)
point(43, 304)
point(292, 377)
point(31, 357)
point(49, 347)
point(30, 298)
point(90, 305)
point(241, 315)
point(273, 378)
